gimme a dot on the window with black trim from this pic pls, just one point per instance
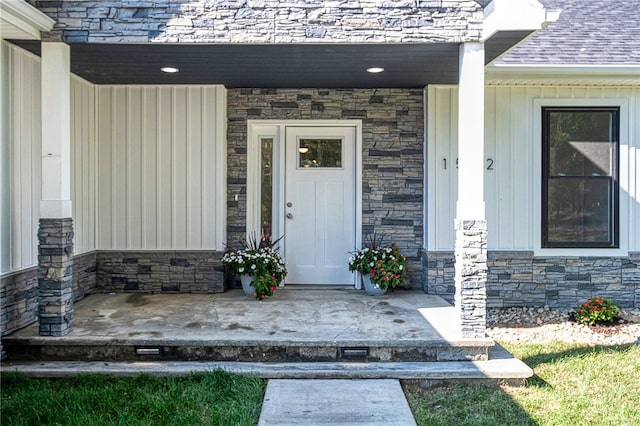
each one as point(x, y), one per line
point(580, 177)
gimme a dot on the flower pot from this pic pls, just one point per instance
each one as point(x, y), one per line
point(371, 288)
point(246, 281)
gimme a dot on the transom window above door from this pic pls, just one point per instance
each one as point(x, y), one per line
point(580, 195)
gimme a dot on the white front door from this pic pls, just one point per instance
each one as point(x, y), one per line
point(319, 204)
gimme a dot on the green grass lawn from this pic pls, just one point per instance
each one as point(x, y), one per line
point(215, 398)
point(572, 386)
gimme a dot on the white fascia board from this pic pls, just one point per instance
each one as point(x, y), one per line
point(630, 73)
point(516, 15)
point(25, 20)
point(559, 69)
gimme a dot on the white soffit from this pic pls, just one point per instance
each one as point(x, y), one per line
point(516, 15)
point(559, 74)
point(21, 21)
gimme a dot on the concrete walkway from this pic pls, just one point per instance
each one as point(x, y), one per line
point(335, 402)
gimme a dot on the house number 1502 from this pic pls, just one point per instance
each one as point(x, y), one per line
point(490, 163)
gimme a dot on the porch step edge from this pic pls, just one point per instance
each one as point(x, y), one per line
point(502, 366)
point(108, 341)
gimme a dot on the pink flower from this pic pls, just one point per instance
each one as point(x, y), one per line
point(373, 272)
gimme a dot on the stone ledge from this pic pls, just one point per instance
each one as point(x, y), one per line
point(10, 274)
point(512, 254)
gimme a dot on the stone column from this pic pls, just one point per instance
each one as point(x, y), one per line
point(55, 235)
point(470, 224)
point(55, 274)
point(471, 276)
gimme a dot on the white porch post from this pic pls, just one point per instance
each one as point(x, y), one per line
point(56, 130)
point(55, 233)
point(470, 224)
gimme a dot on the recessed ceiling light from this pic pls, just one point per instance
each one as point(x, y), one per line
point(169, 70)
point(375, 70)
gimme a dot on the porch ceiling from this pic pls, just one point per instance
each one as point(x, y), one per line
point(266, 65)
point(276, 65)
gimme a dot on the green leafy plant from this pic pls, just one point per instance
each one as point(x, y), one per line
point(596, 310)
point(255, 242)
point(386, 266)
point(260, 259)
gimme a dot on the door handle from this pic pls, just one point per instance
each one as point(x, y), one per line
point(289, 216)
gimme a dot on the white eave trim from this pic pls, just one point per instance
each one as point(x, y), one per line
point(26, 20)
point(613, 74)
point(516, 15)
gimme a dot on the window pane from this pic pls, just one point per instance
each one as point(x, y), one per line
point(578, 210)
point(580, 143)
point(266, 185)
point(320, 153)
point(580, 177)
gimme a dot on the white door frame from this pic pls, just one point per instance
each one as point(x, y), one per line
point(275, 129)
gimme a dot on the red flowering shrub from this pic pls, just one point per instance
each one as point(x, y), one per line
point(596, 310)
point(265, 285)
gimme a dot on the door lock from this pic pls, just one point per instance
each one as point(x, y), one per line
point(289, 216)
point(289, 204)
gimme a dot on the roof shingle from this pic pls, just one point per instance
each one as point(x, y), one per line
point(588, 32)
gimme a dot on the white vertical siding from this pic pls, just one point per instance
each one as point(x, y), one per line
point(508, 186)
point(21, 191)
point(442, 178)
point(83, 164)
point(634, 169)
point(511, 142)
point(160, 167)
point(5, 180)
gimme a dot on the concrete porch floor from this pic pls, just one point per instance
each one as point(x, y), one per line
point(298, 333)
point(292, 316)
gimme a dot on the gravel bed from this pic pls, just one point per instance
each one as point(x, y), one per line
point(543, 325)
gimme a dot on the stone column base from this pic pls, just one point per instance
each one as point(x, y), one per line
point(471, 276)
point(55, 276)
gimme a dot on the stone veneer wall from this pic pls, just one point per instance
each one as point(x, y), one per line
point(264, 21)
point(84, 275)
point(19, 292)
point(517, 278)
point(392, 158)
point(160, 271)
point(170, 271)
